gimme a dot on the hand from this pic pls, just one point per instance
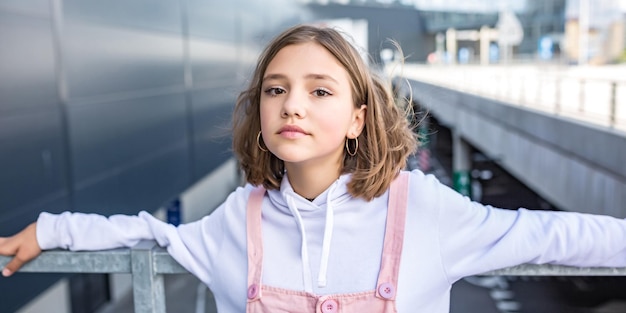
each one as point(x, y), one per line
point(23, 246)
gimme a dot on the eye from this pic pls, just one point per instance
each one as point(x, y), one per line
point(274, 91)
point(321, 92)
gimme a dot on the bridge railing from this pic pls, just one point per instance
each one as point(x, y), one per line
point(147, 262)
point(594, 95)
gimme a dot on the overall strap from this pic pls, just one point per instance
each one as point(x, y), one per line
point(255, 242)
point(394, 236)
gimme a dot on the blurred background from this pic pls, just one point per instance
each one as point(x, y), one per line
point(122, 106)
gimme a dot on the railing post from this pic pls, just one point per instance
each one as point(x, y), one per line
point(613, 105)
point(148, 287)
point(557, 95)
point(522, 91)
point(538, 96)
point(581, 96)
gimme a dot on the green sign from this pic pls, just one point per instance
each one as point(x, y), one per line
point(462, 182)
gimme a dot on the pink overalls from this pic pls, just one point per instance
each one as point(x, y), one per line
point(267, 299)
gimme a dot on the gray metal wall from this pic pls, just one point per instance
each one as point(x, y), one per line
point(117, 106)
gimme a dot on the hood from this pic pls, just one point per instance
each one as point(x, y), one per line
point(291, 203)
point(338, 193)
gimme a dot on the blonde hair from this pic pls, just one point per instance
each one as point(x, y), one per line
point(384, 144)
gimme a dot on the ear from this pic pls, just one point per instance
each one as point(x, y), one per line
point(358, 122)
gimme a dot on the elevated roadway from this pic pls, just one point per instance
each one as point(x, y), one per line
point(560, 130)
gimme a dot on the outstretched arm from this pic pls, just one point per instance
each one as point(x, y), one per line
point(192, 244)
point(23, 246)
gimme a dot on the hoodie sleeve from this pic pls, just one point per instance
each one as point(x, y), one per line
point(80, 231)
point(475, 238)
point(194, 245)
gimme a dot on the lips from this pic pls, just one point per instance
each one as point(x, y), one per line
point(291, 129)
point(291, 132)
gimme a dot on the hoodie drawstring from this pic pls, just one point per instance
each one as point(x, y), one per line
point(304, 251)
point(328, 235)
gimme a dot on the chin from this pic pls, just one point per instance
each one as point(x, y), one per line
point(291, 158)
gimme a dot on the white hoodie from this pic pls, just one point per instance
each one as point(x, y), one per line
point(333, 244)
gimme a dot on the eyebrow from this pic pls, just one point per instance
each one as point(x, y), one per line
point(308, 76)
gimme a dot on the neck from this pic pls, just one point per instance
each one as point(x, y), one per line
point(311, 181)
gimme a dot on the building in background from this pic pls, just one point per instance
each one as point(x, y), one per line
point(594, 31)
point(427, 22)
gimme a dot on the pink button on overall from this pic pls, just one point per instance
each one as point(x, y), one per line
point(253, 291)
point(329, 306)
point(263, 299)
point(386, 290)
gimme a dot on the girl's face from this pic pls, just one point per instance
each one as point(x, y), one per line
point(307, 108)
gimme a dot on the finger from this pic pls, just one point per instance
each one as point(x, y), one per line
point(23, 256)
point(23, 245)
point(4, 251)
point(12, 267)
point(6, 272)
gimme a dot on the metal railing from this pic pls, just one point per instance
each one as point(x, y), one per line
point(594, 95)
point(147, 262)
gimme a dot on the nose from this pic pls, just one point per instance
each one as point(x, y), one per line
point(294, 105)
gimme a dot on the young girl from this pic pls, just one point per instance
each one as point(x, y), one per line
point(328, 221)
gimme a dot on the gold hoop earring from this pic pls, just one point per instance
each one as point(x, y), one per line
point(258, 142)
point(356, 146)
